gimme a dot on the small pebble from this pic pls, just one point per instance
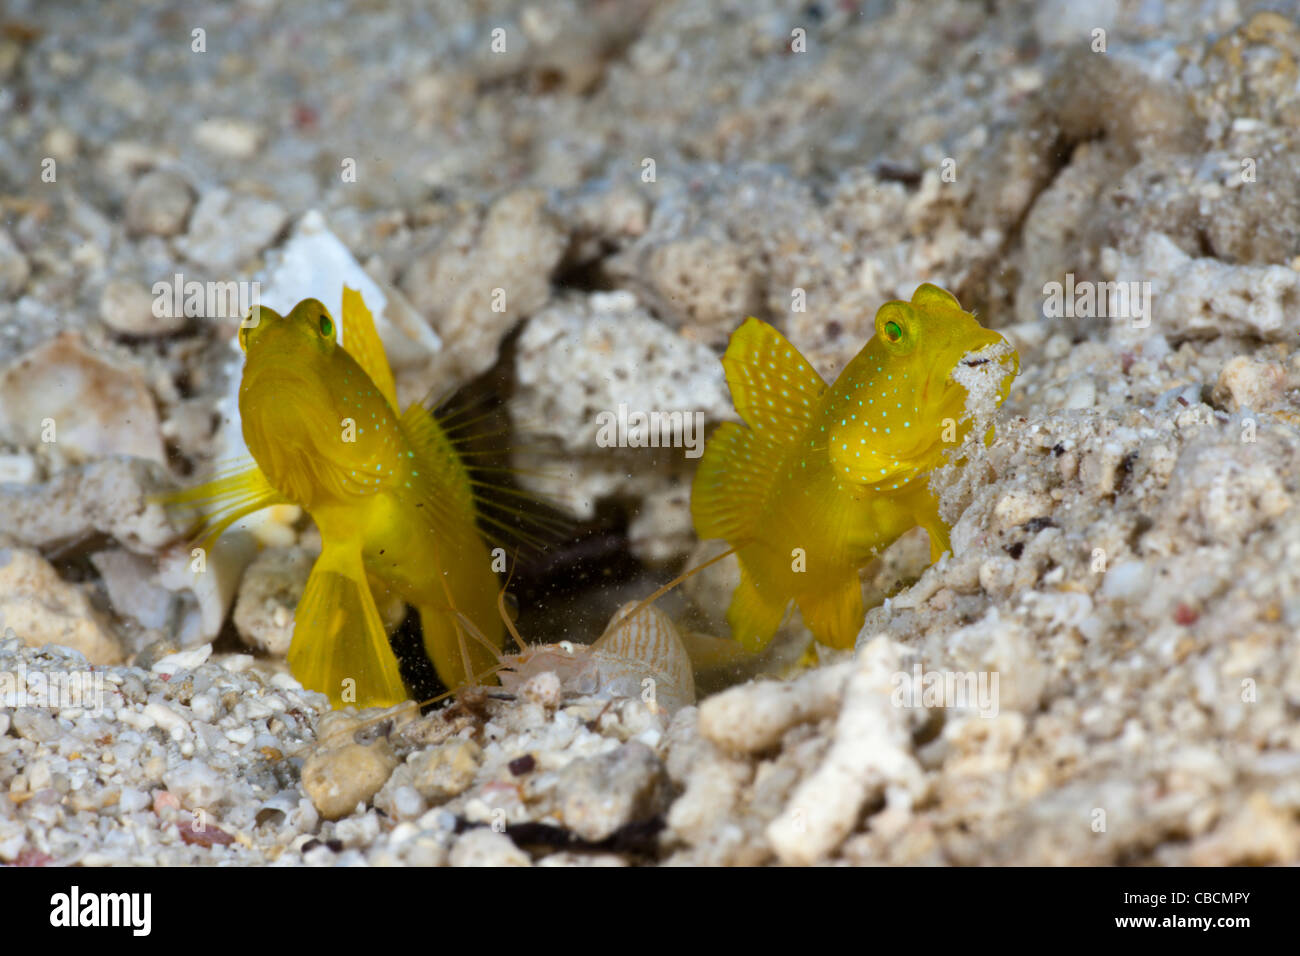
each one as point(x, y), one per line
point(595, 796)
point(159, 204)
point(446, 770)
point(522, 765)
point(484, 847)
point(340, 778)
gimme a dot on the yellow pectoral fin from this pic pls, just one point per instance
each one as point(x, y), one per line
point(869, 468)
point(361, 341)
point(224, 500)
point(339, 646)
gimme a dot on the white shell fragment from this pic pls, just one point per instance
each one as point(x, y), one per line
point(645, 647)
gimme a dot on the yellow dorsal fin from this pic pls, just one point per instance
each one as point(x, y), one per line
point(434, 447)
point(509, 516)
point(773, 387)
point(361, 341)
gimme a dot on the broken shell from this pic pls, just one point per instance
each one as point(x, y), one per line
point(645, 647)
point(212, 577)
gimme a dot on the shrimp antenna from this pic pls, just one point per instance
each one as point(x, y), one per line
point(465, 627)
point(501, 605)
point(664, 589)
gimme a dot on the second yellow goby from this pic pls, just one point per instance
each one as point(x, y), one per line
point(821, 478)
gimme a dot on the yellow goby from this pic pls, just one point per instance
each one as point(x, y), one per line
point(389, 493)
point(821, 478)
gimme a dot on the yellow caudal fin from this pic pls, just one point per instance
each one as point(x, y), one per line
point(224, 500)
point(339, 646)
point(753, 616)
point(361, 341)
point(835, 616)
point(775, 391)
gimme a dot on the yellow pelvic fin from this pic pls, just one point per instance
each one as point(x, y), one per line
point(339, 646)
point(753, 618)
point(835, 616)
point(361, 341)
point(939, 540)
point(928, 518)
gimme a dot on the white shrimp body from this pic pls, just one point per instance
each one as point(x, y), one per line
point(638, 657)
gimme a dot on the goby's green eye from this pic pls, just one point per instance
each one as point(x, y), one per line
point(326, 326)
point(893, 332)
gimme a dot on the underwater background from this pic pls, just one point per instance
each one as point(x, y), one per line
point(559, 213)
